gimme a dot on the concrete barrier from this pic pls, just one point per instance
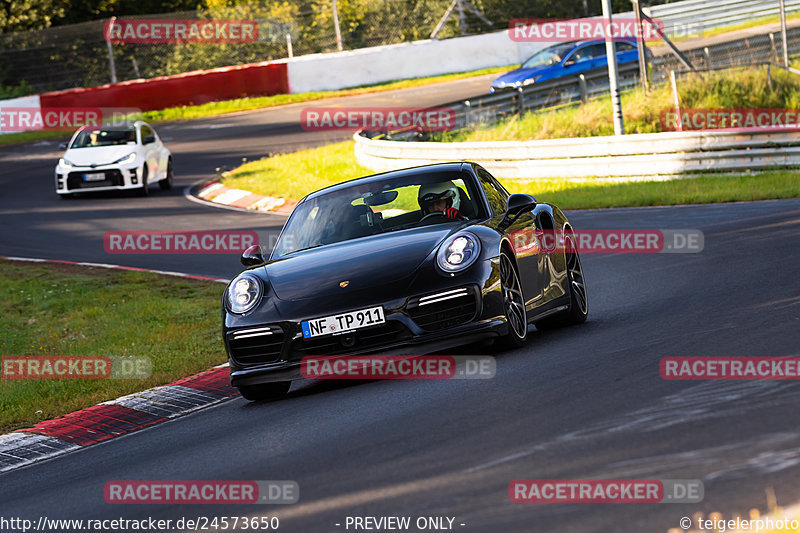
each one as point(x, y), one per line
point(198, 87)
point(351, 68)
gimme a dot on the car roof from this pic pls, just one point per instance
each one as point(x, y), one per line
point(454, 167)
point(125, 126)
point(631, 40)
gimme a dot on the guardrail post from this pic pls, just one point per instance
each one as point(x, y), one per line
point(467, 109)
point(582, 85)
point(769, 77)
point(783, 35)
point(676, 100)
point(111, 67)
point(773, 47)
point(708, 57)
point(637, 11)
point(520, 101)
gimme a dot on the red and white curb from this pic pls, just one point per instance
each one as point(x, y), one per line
point(117, 417)
point(218, 193)
point(114, 418)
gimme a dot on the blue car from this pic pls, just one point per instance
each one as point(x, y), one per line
point(566, 59)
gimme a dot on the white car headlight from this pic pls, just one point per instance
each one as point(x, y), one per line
point(458, 252)
point(243, 293)
point(130, 158)
point(64, 163)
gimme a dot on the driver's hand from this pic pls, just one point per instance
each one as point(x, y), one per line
point(452, 212)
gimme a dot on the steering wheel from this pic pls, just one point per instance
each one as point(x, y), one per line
point(434, 214)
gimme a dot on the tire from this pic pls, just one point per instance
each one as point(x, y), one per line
point(265, 391)
point(166, 183)
point(578, 296)
point(513, 305)
point(144, 190)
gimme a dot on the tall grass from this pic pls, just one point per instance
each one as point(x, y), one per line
point(736, 88)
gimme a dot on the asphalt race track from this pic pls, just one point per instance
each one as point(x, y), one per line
point(582, 402)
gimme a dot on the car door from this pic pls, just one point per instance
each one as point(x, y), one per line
point(583, 58)
point(150, 150)
point(522, 234)
point(626, 52)
point(163, 153)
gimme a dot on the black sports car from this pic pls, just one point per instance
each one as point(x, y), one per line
point(405, 262)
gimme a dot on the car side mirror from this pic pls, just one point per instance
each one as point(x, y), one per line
point(62, 146)
point(516, 205)
point(253, 256)
point(149, 139)
point(569, 62)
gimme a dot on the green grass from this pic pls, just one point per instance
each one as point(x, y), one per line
point(71, 310)
point(213, 109)
point(736, 88)
point(294, 175)
point(595, 193)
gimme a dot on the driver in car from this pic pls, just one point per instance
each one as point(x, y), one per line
point(440, 198)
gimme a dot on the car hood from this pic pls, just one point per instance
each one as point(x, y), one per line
point(98, 155)
point(519, 74)
point(364, 263)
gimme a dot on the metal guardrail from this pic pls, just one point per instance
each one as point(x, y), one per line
point(648, 154)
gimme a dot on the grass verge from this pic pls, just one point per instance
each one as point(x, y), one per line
point(55, 309)
point(213, 109)
point(731, 89)
point(294, 175)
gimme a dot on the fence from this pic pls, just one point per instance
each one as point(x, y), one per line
point(77, 56)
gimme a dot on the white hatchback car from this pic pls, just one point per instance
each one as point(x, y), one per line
point(110, 158)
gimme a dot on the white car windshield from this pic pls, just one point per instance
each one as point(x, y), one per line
point(104, 137)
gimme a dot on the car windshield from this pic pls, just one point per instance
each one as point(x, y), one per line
point(548, 56)
point(377, 207)
point(104, 137)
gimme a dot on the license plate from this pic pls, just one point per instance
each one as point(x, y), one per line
point(94, 177)
point(344, 322)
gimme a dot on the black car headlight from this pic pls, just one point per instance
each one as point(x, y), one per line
point(243, 293)
point(458, 252)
